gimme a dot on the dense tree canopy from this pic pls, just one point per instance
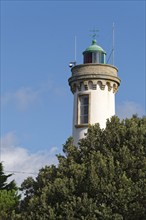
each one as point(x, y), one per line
point(104, 178)
point(9, 198)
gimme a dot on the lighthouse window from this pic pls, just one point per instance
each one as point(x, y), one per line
point(83, 109)
point(88, 58)
point(95, 57)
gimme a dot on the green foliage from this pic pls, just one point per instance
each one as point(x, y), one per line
point(4, 178)
point(9, 198)
point(104, 178)
point(8, 203)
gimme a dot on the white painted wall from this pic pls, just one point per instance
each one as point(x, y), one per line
point(102, 107)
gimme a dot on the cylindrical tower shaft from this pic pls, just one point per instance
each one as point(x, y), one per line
point(94, 85)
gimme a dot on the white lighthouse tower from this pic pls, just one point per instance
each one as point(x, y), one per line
point(93, 84)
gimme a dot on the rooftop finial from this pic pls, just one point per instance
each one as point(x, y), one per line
point(94, 31)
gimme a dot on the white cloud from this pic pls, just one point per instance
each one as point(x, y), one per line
point(128, 108)
point(25, 97)
point(22, 98)
point(19, 160)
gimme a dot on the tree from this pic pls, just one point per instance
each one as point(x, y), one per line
point(9, 198)
point(103, 178)
point(3, 180)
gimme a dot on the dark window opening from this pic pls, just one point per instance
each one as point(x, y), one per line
point(84, 109)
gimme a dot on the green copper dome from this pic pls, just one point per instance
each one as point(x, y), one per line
point(94, 48)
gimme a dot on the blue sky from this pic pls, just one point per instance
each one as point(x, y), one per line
point(37, 43)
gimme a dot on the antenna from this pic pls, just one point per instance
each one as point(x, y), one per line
point(113, 42)
point(75, 47)
point(113, 46)
point(73, 63)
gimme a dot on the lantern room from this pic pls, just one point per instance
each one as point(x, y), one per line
point(94, 54)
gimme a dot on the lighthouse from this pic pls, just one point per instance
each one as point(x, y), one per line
point(94, 85)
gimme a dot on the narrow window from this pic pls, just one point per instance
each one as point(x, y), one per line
point(83, 109)
point(95, 57)
point(88, 58)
